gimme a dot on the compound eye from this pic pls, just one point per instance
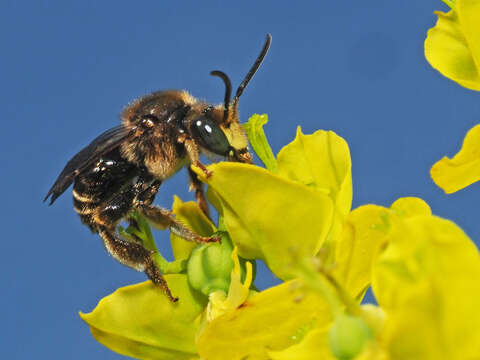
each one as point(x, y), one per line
point(210, 136)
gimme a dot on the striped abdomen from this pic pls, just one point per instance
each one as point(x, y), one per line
point(101, 193)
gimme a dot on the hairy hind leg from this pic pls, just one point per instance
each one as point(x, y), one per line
point(135, 256)
point(127, 252)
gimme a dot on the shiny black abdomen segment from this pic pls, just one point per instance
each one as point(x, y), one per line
point(99, 185)
point(105, 177)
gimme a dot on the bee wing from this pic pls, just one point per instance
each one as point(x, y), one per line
point(104, 143)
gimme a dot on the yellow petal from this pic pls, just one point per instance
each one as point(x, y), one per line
point(137, 349)
point(357, 248)
point(314, 346)
point(238, 291)
point(410, 206)
point(469, 13)
point(374, 351)
point(448, 51)
point(140, 321)
point(269, 217)
point(427, 282)
point(269, 321)
point(363, 236)
point(463, 169)
point(193, 217)
point(321, 161)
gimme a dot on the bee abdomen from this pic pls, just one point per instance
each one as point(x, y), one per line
point(86, 207)
point(83, 198)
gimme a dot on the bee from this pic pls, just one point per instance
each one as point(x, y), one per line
point(122, 169)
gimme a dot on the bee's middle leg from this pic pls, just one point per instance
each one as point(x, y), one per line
point(163, 219)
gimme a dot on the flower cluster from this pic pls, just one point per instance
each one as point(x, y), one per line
point(295, 215)
point(453, 48)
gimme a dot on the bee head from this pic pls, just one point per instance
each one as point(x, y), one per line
point(219, 129)
point(213, 135)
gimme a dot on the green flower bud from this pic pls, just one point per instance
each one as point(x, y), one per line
point(210, 266)
point(348, 336)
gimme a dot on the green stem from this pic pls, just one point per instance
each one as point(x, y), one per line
point(351, 305)
point(259, 142)
point(173, 267)
point(144, 233)
point(338, 299)
point(321, 284)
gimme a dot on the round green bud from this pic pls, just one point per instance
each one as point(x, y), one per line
point(348, 336)
point(210, 266)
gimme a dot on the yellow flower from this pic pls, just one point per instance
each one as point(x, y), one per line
point(423, 270)
point(426, 281)
point(294, 212)
point(425, 278)
point(452, 46)
point(273, 319)
point(268, 216)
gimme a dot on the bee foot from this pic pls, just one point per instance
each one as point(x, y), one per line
point(210, 239)
point(215, 238)
point(207, 172)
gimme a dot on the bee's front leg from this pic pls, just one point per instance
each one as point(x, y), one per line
point(193, 154)
point(197, 186)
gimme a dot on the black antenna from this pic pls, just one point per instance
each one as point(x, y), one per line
point(252, 71)
point(228, 91)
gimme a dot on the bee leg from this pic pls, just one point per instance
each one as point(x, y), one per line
point(147, 192)
point(164, 219)
point(193, 155)
point(197, 186)
point(127, 252)
point(135, 256)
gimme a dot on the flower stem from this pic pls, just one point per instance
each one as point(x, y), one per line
point(170, 267)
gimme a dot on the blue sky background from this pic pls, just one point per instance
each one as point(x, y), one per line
point(68, 68)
